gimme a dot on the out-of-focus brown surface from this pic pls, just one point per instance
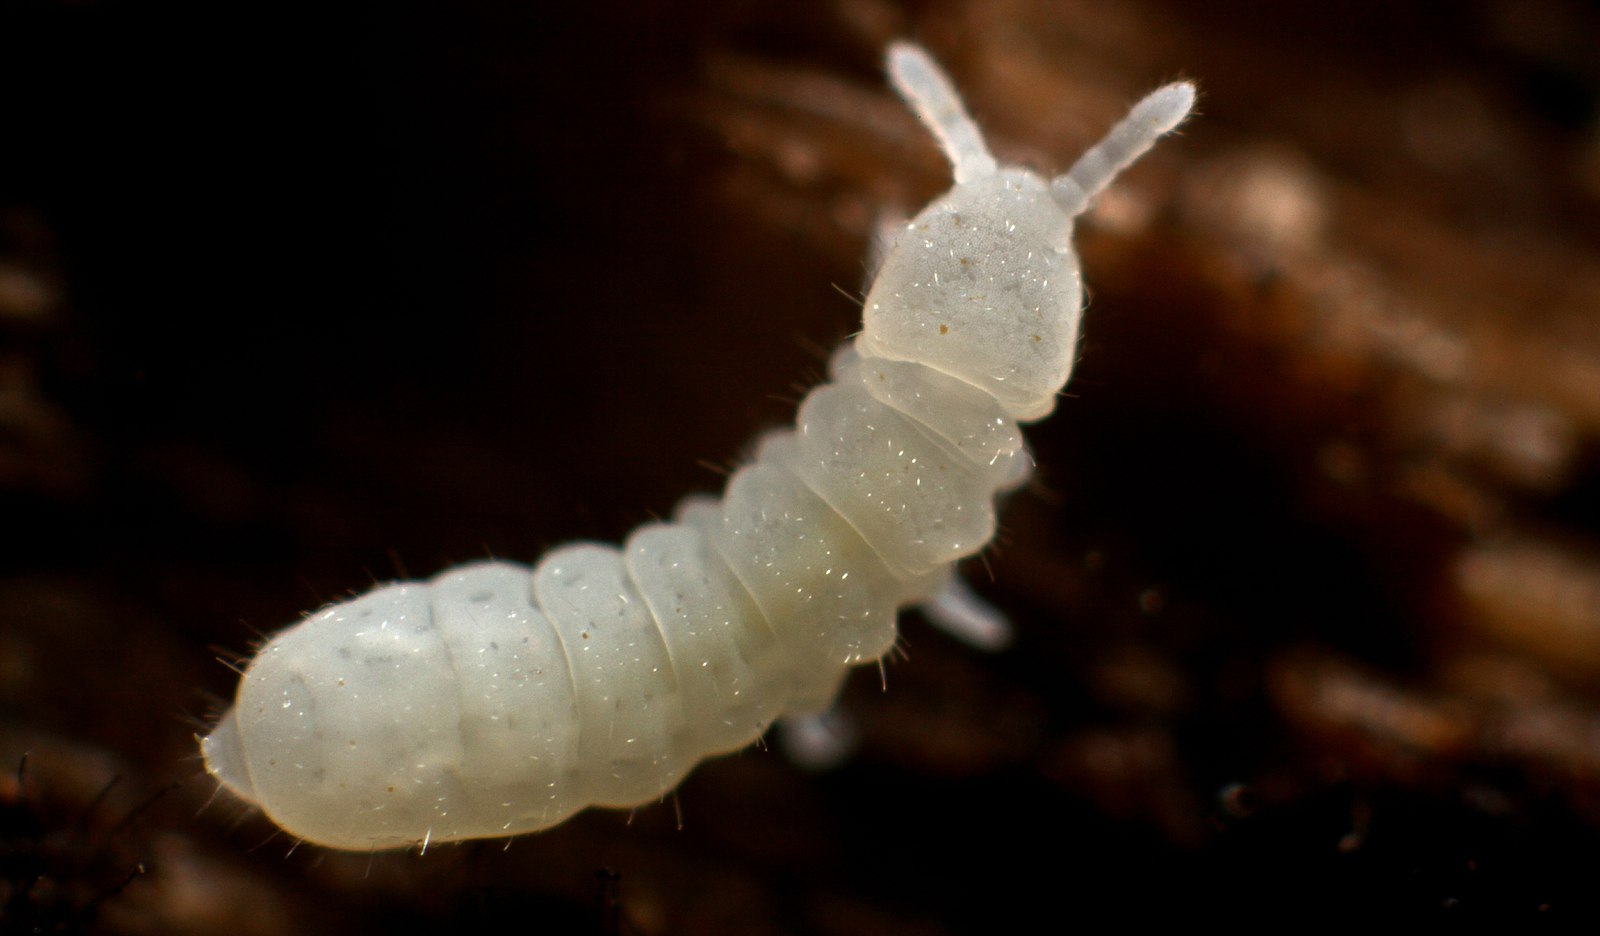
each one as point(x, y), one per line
point(1307, 590)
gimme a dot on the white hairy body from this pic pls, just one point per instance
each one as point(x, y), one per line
point(494, 700)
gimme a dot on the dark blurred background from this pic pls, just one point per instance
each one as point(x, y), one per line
point(294, 298)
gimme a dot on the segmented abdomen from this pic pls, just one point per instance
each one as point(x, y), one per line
point(508, 699)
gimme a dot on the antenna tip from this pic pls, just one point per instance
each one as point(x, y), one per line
point(1166, 107)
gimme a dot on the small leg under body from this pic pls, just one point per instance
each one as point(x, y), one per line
point(964, 614)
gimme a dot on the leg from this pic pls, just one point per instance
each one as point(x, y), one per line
point(816, 742)
point(963, 614)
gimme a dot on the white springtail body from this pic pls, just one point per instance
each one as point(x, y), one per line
point(494, 700)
